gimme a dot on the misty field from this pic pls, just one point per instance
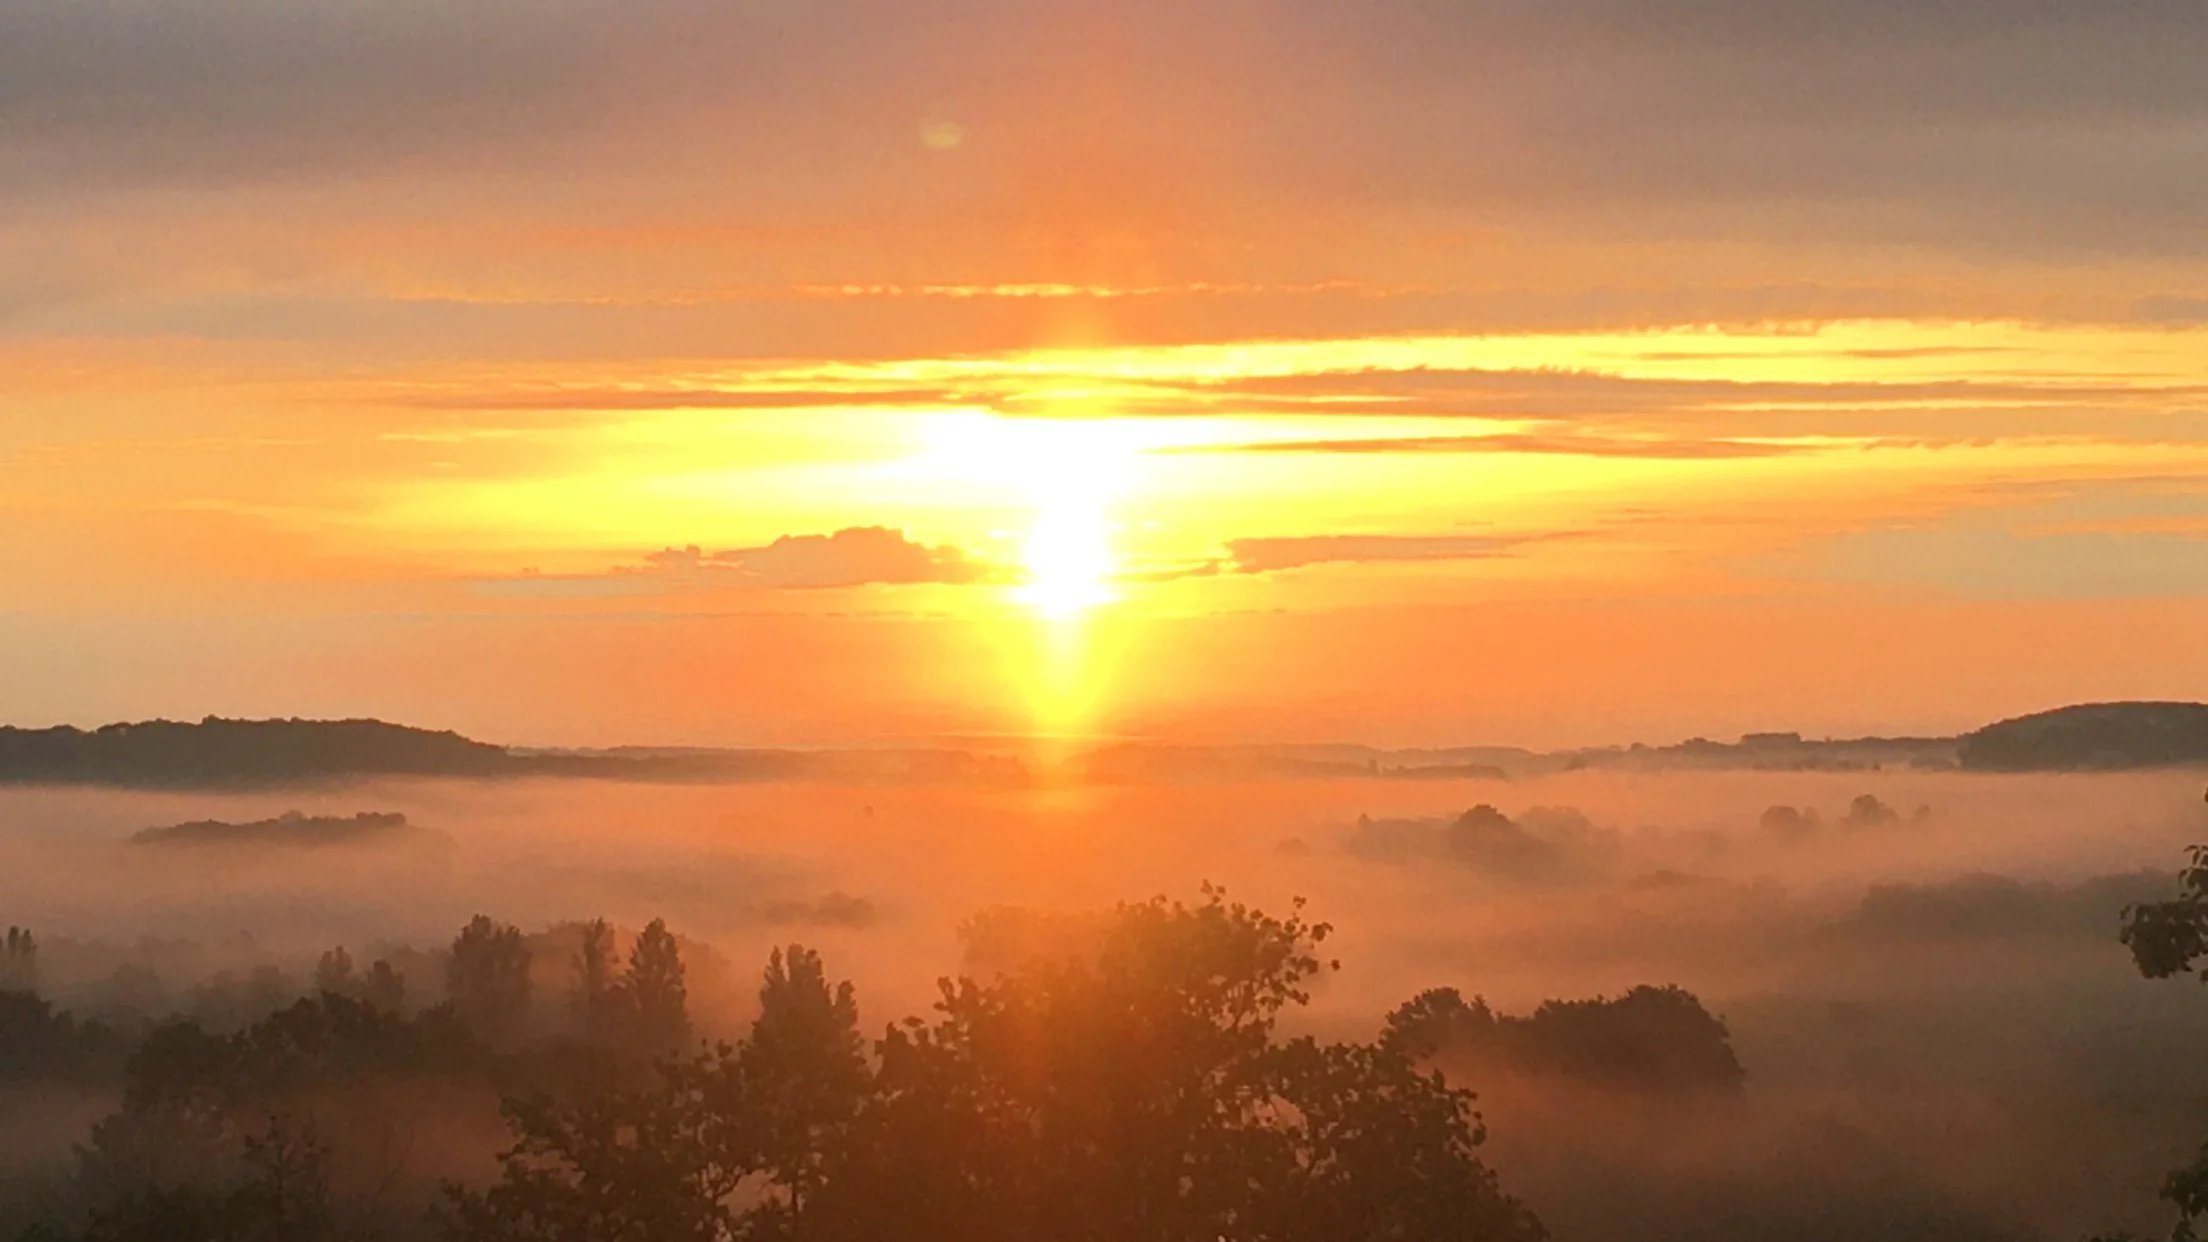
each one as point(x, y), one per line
point(1919, 971)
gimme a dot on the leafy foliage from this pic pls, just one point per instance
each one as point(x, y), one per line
point(2166, 939)
point(2171, 937)
point(1134, 1087)
point(657, 1164)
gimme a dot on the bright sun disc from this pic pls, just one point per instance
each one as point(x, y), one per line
point(1068, 474)
point(1068, 556)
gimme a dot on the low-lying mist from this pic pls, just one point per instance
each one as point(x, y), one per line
point(1941, 1035)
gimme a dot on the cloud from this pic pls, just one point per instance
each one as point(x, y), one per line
point(2169, 309)
point(880, 556)
point(851, 557)
point(1564, 445)
point(222, 91)
point(1267, 555)
point(1640, 415)
point(1551, 392)
point(854, 556)
point(1973, 124)
point(563, 397)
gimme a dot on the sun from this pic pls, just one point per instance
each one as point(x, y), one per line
point(1068, 561)
point(1069, 476)
point(1060, 489)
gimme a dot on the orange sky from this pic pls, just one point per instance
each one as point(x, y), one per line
point(676, 371)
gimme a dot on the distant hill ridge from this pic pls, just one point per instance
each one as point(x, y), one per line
point(293, 828)
point(2092, 737)
point(218, 752)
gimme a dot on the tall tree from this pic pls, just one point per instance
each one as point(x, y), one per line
point(654, 998)
point(804, 1076)
point(487, 977)
point(333, 973)
point(595, 981)
point(19, 961)
point(384, 989)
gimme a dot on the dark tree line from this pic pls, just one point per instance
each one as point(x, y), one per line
point(1649, 1039)
point(1140, 1089)
point(1133, 1083)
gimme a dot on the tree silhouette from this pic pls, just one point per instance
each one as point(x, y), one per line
point(19, 961)
point(215, 1139)
point(1128, 1090)
point(38, 1043)
point(1435, 1020)
point(2169, 938)
point(333, 973)
point(653, 1164)
point(487, 978)
point(1649, 1039)
point(595, 979)
point(1869, 811)
point(805, 1078)
point(1137, 1091)
point(653, 998)
point(1377, 1150)
point(384, 988)
point(280, 1194)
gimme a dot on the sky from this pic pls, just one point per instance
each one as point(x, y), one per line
point(574, 372)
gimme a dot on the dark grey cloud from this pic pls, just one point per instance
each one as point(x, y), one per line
point(2173, 310)
point(212, 91)
point(1970, 124)
point(2013, 125)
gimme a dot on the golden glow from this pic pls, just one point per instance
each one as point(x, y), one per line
point(1088, 485)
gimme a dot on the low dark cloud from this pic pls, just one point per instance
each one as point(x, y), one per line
point(1268, 555)
point(852, 557)
point(855, 556)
